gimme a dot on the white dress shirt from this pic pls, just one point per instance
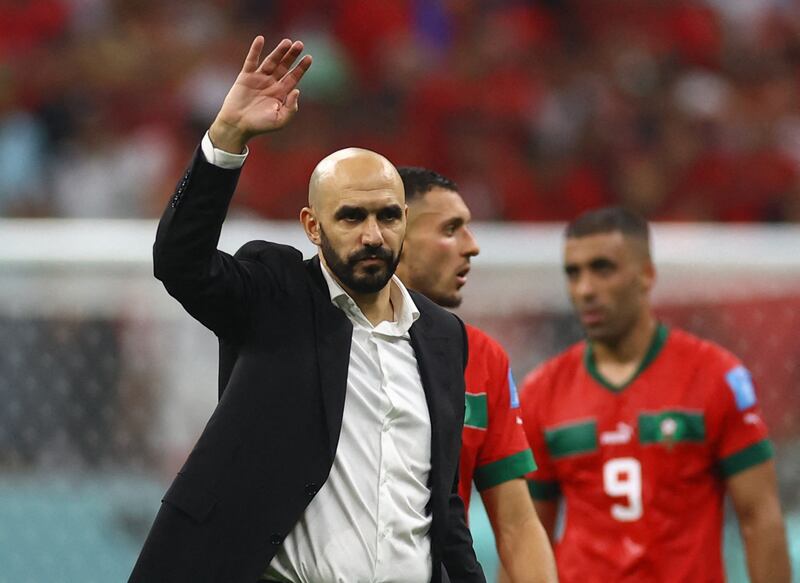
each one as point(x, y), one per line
point(368, 522)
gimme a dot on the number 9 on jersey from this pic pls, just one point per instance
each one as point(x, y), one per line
point(622, 477)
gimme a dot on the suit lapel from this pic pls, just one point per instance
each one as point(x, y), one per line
point(430, 351)
point(334, 333)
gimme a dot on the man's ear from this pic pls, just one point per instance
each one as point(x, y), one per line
point(648, 274)
point(310, 225)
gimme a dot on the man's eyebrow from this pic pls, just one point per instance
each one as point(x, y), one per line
point(348, 211)
point(601, 262)
point(392, 210)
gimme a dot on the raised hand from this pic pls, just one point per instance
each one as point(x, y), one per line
point(264, 96)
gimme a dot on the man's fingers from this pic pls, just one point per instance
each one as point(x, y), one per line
point(288, 60)
point(277, 55)
point(254, 54)
point(292, 78)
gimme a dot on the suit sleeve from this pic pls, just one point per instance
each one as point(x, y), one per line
point(214, 287)
point(459, 558)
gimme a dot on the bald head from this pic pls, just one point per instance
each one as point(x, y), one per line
point(356, 215)
point(351, 171)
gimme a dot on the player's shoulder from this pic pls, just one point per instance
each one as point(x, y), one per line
point(563, 365)
point(685, 347)
point(723, 378)
point(721, 374)
point(481, 343)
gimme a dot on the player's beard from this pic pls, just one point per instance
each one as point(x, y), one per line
point(373, 279)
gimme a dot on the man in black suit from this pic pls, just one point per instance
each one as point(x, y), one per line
point(332, 454)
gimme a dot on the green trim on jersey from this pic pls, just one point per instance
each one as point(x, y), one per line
point(670, 427)
point(503, 470)
point(659, 339)
point(476, 411)
point(572, 439)
point(544, 489)
point(746, 458)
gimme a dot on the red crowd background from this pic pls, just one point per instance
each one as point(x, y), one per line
point(683, 110)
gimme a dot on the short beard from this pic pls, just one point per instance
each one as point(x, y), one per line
point(375, 278)
point(449, 301)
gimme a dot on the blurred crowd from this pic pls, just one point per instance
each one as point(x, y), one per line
point(681, 109)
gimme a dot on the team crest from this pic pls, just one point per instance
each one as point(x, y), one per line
point(670, 428)
point(670, 431)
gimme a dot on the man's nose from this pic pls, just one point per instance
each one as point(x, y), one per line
point(371, 235)
point(471, 248)
point(584, 286)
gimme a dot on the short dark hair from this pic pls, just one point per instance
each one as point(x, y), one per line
point(417, 182)
point(608, 220)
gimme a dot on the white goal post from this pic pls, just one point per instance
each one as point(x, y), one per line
point(52, 265)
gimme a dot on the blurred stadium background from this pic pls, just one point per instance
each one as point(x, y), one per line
point(684, 110)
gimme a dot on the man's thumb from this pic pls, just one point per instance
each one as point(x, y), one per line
point(293, 100)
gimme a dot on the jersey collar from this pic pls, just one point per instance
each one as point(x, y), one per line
point(659, 339)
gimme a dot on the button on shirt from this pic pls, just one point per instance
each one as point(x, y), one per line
point(368, 521)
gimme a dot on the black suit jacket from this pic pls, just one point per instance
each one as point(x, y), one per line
point(270, 443)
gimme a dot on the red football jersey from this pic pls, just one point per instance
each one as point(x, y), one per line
point(494, 449)
point(641, 467)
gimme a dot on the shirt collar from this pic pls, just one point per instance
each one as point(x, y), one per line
point(405, 310)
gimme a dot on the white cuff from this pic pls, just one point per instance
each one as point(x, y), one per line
point(221, 158)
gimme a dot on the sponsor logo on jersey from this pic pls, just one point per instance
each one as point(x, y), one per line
point(741, 384)
point(622, 434)
point(513, 394)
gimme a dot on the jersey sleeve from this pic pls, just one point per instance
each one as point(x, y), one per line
point(504, 454)
point(543, 482)
point(741, 438)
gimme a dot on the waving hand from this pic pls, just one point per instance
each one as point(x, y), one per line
point(264, 96)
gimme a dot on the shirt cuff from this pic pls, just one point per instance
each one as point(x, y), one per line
point(221, 158)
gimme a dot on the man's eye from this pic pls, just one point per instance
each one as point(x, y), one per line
point(351, 217)
point(389, 216)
